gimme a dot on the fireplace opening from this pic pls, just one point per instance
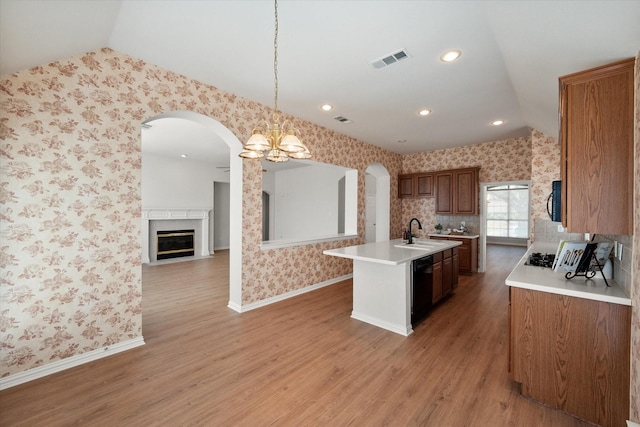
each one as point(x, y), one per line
point(175, 243)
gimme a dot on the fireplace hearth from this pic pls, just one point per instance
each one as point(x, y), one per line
point(175, 243)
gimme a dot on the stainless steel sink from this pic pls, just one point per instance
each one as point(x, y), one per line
point(422, 245)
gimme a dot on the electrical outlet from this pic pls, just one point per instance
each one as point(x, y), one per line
point(587, 237)
point(561, 229)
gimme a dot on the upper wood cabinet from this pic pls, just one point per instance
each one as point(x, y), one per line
point(415, 185)
point(596, 137)
point(457, 191)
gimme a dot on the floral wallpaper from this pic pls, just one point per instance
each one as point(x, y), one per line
point(506, 160)
point(545, 168)
point(70, 183)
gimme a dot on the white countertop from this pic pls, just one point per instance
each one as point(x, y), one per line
point(546, 280)
point(462, 236)
point(387, 252)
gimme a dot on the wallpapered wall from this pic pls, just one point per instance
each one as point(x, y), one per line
point(71, 205)
point(506, 160)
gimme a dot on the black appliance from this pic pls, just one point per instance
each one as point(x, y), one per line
point(541, 260)
point(555, 200)
point(422, 287)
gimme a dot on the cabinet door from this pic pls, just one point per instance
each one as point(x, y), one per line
point(464, 261)
point(572, 354)
point(437, 282)
point(444, 193)
point(455, 267)
point(447, 276)
point(466, 192)
point(597, 149)
point(405, 185)
point(424, 185)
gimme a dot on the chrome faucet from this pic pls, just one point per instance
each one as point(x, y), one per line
point(410, 241)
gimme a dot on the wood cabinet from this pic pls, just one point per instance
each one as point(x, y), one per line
point(415, 185)
point(467, 254)
point(437, 292)
point(457, 191)
point(596, 137)
point(571, 353)
point(445, 274)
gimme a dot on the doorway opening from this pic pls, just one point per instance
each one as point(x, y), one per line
point(377, 203)
point(224, 141)
point(505, 215)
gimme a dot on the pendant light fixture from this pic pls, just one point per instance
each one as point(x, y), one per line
point(279, 140)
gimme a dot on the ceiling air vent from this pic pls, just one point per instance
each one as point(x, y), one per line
point(342, 119)
point(390, 59)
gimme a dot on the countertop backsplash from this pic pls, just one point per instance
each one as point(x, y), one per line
point(453, 222)
point(547, 231)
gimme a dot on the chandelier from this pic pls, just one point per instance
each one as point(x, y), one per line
point(279, 140)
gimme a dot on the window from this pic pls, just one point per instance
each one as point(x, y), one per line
point(508, 211)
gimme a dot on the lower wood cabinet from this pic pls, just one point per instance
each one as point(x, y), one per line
point(571, 353)
point(445, 273)
point(468, 254)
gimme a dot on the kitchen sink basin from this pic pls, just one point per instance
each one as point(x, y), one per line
point(422, 245)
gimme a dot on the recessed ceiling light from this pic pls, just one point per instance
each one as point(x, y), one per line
point(184, 156)
point(451, 55)
point(424, 112)
point(327, 107)
point(497, 122)
point(402, 141)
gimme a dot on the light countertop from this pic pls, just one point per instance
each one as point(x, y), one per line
point(461, 236)
point(388, 253)
point(546, 280)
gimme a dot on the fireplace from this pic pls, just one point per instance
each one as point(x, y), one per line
point(175, 243)
point(155, 220)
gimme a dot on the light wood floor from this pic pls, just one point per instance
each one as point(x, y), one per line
point(300, 362)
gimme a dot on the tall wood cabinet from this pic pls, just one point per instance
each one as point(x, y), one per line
point(596, 137)
point(457, 191)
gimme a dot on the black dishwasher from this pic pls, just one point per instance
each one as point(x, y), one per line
point(421, 287)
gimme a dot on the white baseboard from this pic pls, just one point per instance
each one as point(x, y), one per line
point(286, 295)
point(70, 362)
point(398, 329)
point(632, 424)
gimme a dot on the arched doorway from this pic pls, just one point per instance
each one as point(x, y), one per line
point(377, 205)
point(235, 199)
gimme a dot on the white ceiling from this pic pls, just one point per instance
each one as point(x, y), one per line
point(513, 53)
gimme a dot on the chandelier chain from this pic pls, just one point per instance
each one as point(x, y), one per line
point(275, 59)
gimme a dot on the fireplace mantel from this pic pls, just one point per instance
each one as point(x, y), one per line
point(159, 214)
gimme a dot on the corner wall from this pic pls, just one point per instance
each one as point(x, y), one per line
point(70, 195)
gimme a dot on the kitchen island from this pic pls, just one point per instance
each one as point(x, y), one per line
point(569, 341)
point(382, 280)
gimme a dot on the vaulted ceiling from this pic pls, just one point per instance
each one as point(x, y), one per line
point(512, 55)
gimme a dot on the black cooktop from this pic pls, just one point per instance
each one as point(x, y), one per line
point(541, 260)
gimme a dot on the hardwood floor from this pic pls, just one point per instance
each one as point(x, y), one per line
point(298, 362)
